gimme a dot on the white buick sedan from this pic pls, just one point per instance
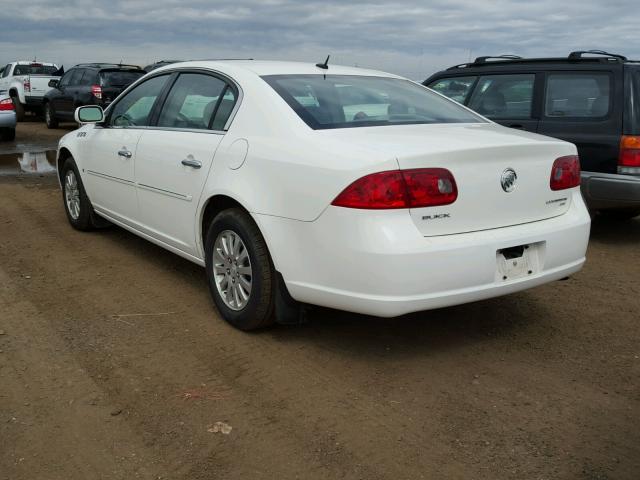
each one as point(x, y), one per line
point(299, 184)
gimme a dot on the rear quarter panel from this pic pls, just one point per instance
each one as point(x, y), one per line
point(290, 170)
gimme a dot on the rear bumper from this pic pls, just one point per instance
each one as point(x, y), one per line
point(610, 191)
point(377, 263)
point(7, 120)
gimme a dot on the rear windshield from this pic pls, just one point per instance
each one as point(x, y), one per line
point(341, 101)
point(119, 78)
point(34, 70)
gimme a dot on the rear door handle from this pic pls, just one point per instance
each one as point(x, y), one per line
point(189, 162)
point(517, 125)
point(125, 153)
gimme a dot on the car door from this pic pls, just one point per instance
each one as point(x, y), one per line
point(62, 101)
point(174, 157)
point(508, 99)
point(110, 151)
point(4, 80)
point(580, 107)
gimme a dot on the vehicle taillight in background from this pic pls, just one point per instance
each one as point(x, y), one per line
point(96, 91)
point(26, 83)
point(565, 173)
point(415, 188)
point(629, 157)
point(6, 104)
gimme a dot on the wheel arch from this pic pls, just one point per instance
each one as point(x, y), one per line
point(214, 205)
point(63, 155)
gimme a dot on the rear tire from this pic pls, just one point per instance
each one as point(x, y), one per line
point(624, 214)
point(76, 203)
point(19, 108)
point(50, 116)
point(238, 261)
point(8, 134)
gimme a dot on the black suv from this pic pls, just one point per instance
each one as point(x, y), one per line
point(590, 98)
point(86, 84)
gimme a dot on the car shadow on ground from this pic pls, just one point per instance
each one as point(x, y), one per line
point(615, 231)
point(355, 334)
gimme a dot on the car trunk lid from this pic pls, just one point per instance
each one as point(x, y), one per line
point(481, 158)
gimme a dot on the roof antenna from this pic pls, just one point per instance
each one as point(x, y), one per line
point(325, 65)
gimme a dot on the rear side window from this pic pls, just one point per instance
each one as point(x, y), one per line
point(90, 77)
point(456, 88)
point(577, 95)
point(340, 101)
point(634, 107)
point(119, 78)
point(193, 101)
point(504, 96)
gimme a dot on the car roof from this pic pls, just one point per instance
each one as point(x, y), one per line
point(110, 66)
point(579, 57)
point(273, 67)
point(35, 62)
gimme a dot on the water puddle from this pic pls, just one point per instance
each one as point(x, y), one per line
point(28, 163)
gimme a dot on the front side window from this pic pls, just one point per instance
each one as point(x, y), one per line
point(577, 95)
point(342, 101)
point(5, 72)
point(504, 96)
point(65, 80)
point(456, 88)
point(193, 101)
point(134, 109)
point(75, 78)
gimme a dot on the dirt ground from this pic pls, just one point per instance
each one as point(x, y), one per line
point(115, 365)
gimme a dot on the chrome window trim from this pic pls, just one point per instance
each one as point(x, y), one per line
point(168, 129)
point(216, 73)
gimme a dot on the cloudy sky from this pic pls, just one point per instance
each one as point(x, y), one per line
point(412, 38)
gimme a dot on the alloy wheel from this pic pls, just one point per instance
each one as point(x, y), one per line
point(72, 194)
point(232, 271)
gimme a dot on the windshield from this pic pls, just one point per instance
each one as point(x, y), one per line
point(120, 78)
point(341, 101)
point(35, 69)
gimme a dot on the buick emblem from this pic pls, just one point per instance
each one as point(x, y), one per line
point(508, 180)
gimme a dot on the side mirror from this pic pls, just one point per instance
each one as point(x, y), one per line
point(89, 114)
point(53, 83)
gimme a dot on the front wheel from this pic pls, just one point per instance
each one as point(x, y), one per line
point(240, 272)
point(50, 116)
point(76, 203)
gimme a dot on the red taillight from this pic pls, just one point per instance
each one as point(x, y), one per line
point(26, 83)
point(6, 104)
point(96, 91)
point(420, 187)
point(629, 151)
point(565, 173)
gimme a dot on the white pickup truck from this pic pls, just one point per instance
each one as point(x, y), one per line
point(26, 83)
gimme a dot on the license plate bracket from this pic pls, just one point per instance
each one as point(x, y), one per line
point(518, 261)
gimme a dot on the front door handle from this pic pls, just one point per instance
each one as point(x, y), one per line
point(517, 126)
point(190, 162)
point(125, 153)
